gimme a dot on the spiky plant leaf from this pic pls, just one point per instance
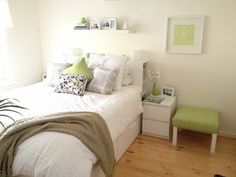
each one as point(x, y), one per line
point(8, 105)
point(1, 175)
point(3, 127)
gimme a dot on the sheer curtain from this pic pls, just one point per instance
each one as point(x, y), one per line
point(5, 22)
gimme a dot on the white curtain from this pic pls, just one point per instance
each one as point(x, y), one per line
point(5, 22)
point(5, 15)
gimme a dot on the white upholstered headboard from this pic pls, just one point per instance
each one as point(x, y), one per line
point(136, 69)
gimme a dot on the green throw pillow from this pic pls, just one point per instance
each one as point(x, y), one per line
point(80, 68)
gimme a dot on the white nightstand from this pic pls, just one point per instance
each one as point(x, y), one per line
point(157, 117)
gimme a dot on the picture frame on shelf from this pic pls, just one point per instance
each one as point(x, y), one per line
point(113, 23)
point(168, 91)
point(109, 24)
point(106, 24)
point(185, 34)
point(95, 25)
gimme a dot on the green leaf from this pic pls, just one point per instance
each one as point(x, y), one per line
point(4, 100)
point(8, 105)
point(10, 110)
point(11, 106)
point(3, 127)
point(4, 115)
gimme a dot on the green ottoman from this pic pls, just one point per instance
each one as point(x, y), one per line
point(196, 119)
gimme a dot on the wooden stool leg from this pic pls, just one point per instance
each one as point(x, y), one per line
point(175, 135)
point(213, 142)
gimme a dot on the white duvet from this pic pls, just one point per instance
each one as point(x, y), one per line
point(52, 154)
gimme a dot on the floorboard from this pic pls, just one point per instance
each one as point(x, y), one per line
point(154, 157)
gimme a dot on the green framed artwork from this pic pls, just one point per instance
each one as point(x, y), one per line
point(185, 34)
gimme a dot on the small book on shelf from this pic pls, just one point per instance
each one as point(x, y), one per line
point(154, 99)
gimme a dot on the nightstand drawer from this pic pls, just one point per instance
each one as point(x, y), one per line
point(156, 128)
point(156, 112)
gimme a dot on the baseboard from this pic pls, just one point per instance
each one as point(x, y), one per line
point(227, 134)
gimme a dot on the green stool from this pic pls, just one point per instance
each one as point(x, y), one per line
point(196, 119)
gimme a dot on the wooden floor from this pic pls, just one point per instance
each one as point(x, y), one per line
point(153, 157)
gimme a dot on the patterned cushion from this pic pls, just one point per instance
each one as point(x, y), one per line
point(103, 81)
point(197, 119)
point(72, 84)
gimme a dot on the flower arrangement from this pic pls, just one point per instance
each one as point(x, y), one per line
point(154, 75)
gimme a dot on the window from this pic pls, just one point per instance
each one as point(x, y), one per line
point(3, 52)
point(5, 22)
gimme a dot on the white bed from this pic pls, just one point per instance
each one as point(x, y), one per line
point(49, 153)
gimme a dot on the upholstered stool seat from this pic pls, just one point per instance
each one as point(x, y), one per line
point(196, 119)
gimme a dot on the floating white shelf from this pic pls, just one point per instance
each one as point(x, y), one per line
point(105, 31)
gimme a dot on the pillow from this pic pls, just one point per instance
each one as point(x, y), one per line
point(72, 84)
point(96, 60)
point(127, 78)
point(53, 71)
point(103, 81)
point(109, 62)
point(80, 68)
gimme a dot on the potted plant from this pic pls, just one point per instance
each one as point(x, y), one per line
point(8, 105)
point(2, 175)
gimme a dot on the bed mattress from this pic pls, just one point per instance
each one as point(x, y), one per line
point(55, 154)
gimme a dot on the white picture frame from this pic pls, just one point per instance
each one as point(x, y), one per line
point(95, 25)
point(113, 24)
point(106, 24)
point(185, 34)
point(109, 24)
point(168, 91)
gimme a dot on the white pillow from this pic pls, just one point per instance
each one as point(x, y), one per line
point(110, 62)
point(103, 81)
point(53, 72)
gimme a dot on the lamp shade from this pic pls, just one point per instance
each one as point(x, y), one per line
point(139, 55)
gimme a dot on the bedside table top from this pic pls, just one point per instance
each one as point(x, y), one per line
point(167, 102)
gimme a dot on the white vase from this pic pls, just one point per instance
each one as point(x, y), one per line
point(125, 26)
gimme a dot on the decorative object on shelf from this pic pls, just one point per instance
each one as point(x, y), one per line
point(125, 26)
point(109, 24)
point(113, 23)
point(83, 25)
point(169, 91)
point(185, 34)
point(83, 20)
point(95, 25)
point(105, 24)
point(154, 75)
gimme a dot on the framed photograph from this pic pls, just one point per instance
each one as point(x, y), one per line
point(169, 91)
point(95, 25)
point(185, 34)
point(106, 24)
point(109, 24)
point(113, 24)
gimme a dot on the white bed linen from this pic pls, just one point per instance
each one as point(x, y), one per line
point(52, 154)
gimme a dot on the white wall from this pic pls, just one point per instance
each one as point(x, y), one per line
point(207, 80)
point(25, 62)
